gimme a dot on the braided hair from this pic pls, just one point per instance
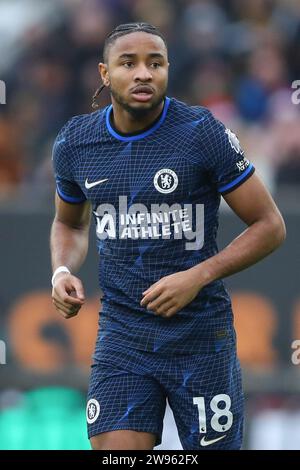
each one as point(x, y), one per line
point(119, 31)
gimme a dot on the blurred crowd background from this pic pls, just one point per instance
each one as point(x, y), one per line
point(237, 57)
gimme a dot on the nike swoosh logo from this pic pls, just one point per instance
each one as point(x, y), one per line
point(204, 443)
point(91, 185)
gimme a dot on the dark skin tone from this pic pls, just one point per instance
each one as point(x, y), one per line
point(265, 232)
point(251, 202)
point(132, 63)
point(140, 60)
point(136, 60)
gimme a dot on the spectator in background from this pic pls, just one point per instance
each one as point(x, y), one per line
point(236, 56)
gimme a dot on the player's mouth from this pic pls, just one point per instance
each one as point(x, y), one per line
point(142, 93)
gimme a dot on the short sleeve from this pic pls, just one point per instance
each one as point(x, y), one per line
point(67, 189)
point(228, 166)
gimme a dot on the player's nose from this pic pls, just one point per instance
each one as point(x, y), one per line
point(142, 73)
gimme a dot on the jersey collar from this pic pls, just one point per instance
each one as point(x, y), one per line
point(141, 135)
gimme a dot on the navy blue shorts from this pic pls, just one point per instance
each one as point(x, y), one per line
point(129, 391)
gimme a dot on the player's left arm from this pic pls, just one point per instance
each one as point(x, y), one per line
point(265, 232)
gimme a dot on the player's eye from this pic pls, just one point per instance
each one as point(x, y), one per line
point(155, 65)
point(128, 64)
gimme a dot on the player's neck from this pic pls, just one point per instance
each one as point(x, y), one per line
point(126, 123)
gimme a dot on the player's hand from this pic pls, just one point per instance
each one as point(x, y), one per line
point(67, 295)
point(171, 293)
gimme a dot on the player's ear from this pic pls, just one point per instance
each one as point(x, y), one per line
point(104, 73)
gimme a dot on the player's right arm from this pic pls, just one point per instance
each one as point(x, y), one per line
point(70, 229)
point(69, 245)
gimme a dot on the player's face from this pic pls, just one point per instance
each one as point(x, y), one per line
point(137, 72)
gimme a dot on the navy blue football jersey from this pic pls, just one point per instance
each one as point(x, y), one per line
point(155, 197)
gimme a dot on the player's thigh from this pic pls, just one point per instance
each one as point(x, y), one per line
point(208, 403)
point(123, 440)
point(119, 400)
